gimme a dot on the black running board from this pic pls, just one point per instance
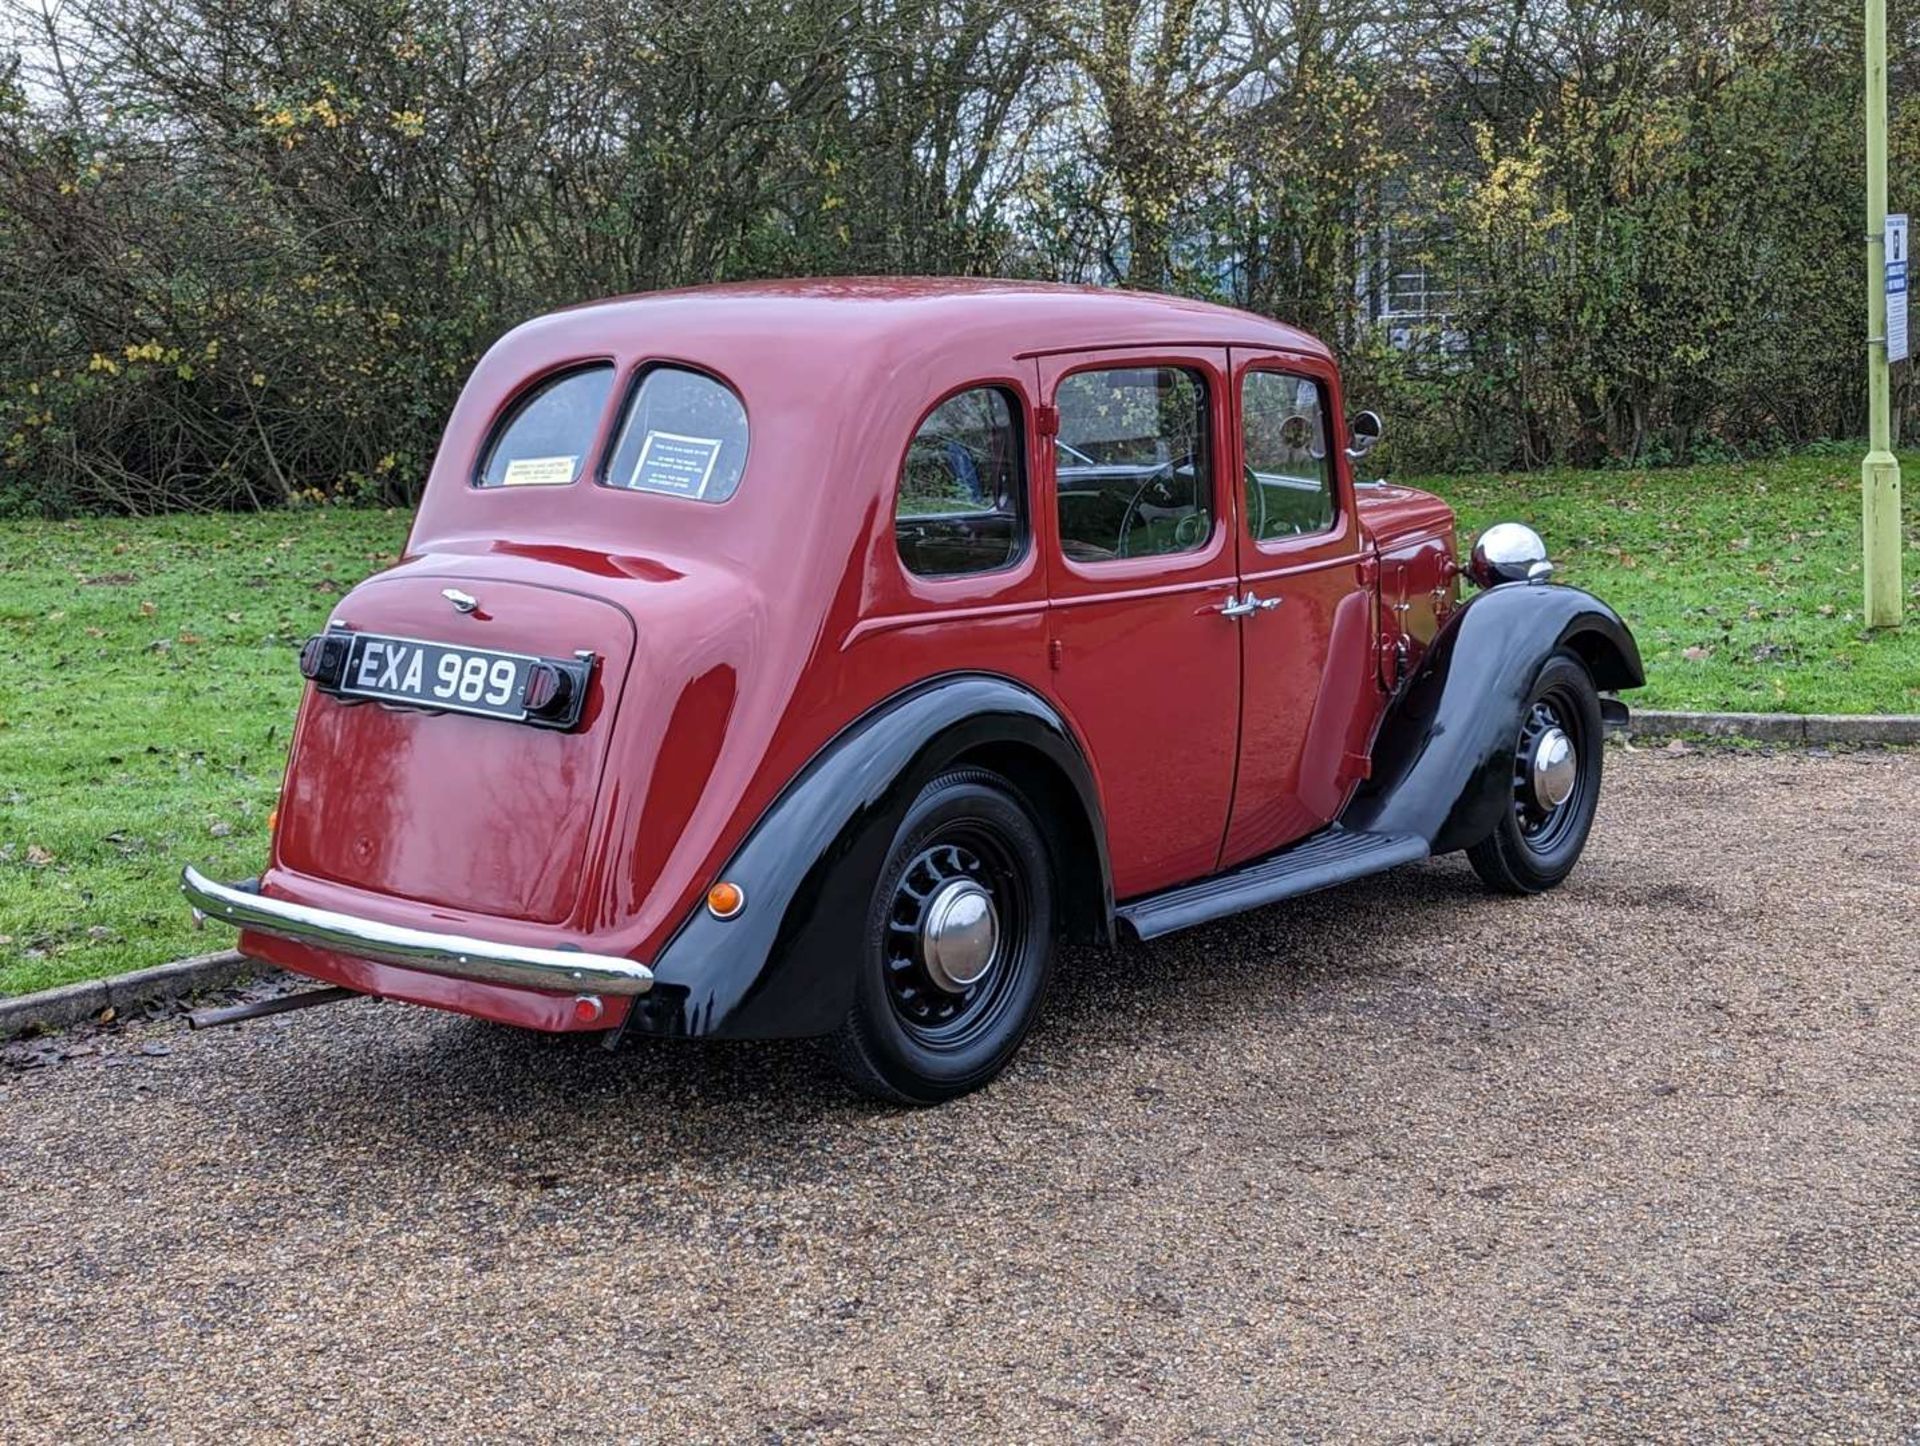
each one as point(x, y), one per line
point(1328, 858)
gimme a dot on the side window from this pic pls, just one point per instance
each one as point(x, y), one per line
point(962, 501)
point(684, 435)
point(1131, 467)
point(1283, 420)
point(545, 437)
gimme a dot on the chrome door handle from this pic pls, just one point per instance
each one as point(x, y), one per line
point(1242, 607)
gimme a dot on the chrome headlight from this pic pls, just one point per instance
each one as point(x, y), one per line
point(1509, 552)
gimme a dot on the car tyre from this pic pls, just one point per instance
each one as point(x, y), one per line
point(1537, 842)
point(958, 945)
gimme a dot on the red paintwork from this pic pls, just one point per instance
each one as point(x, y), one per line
point(525, 1008)
point(1419, 572)
point(737, 638)
point(1309, 702)
point(512, 837)
point(1149, 671)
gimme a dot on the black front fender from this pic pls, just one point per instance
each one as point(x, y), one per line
point(1442, 761)
point(784, 966)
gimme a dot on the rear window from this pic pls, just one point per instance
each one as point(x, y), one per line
point(545, 438)
point(684, 435)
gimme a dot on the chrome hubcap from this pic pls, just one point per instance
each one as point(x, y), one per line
point(1555, 769)
point(959, 935)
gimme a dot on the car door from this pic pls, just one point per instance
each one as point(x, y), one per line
point(1310, 698)
point(1137, 526)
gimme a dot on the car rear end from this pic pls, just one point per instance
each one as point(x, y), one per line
point(521, 750)
point(435, 837)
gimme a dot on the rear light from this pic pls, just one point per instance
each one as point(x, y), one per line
point(548, 689)
point(323, 657)
point(587, 1009)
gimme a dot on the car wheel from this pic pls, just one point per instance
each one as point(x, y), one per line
point(959, 941)
point(1556, 784)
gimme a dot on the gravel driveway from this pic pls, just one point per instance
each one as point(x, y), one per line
point(1404, 1161)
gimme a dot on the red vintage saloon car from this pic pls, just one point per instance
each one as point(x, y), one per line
point(807, 658)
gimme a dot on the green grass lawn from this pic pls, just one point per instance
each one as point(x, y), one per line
point(148, 683)
point(1741, 583)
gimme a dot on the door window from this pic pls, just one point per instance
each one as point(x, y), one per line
point(961, 507)
point(1283, 422)
point(1131, 466)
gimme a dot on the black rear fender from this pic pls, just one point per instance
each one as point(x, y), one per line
point(784, 966)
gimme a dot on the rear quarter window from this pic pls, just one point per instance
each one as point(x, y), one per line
point(545, 437)
point(961, 507)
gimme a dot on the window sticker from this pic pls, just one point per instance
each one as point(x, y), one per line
point(539, 472)
point(675, 464)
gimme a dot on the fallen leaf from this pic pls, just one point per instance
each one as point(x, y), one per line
point(38, 856)
point(1678, 746)
point(219, 830)
point(147, 609)
point(96, 632)
point(1694, 655)
point(190, 638)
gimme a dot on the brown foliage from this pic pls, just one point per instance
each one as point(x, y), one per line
point(248, 251)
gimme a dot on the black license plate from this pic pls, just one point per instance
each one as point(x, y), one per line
point(515, 686)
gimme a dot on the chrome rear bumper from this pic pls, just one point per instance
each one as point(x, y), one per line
point(449, 954)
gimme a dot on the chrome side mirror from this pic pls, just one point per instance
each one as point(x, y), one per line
point(1363, 434)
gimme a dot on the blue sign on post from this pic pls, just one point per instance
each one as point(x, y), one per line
point(1896, 244)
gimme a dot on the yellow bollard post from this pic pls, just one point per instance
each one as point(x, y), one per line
point(1880, 471)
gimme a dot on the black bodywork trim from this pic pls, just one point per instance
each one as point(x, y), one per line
point(784, 967)
point(1442, 760)
point(1441, 772)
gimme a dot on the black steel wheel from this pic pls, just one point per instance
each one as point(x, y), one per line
point(959, 943)
point(1557, 761)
